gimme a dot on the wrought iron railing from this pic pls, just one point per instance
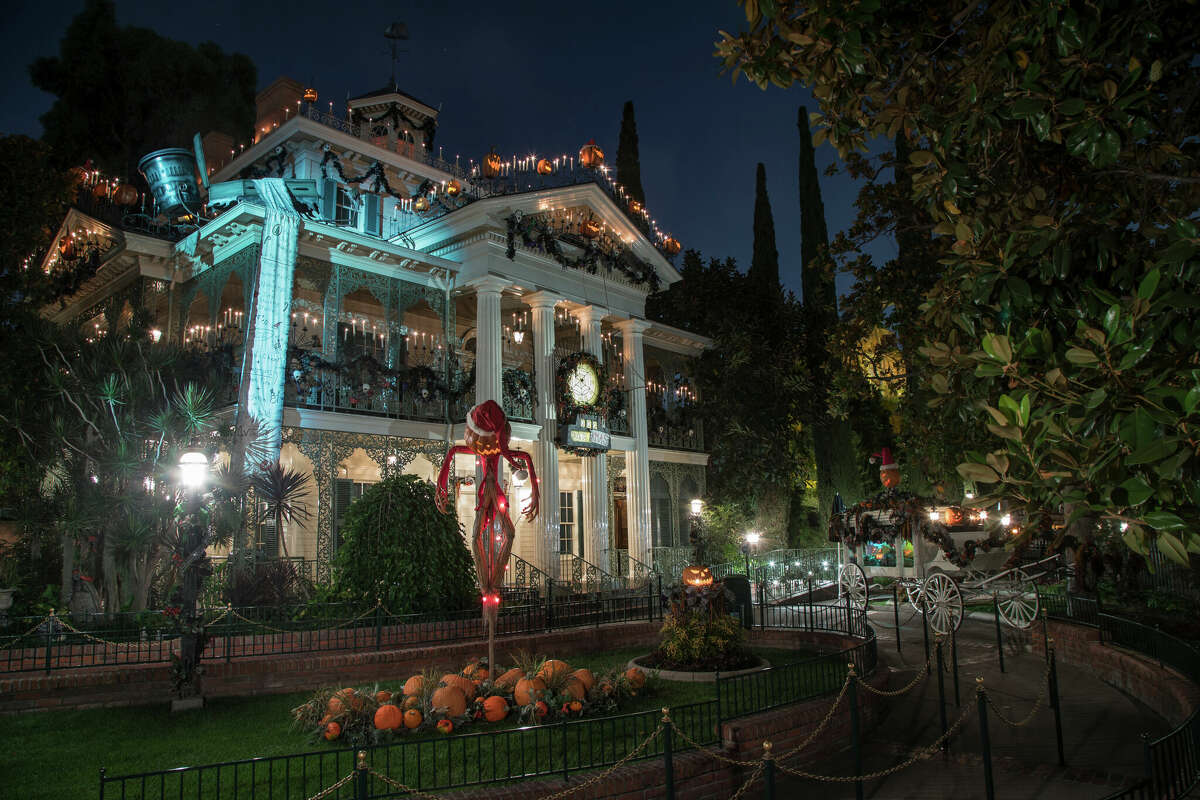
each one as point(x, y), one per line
point(670, 561)
point(682, 436)
point(518, 394)
point(582, 575)
point(521, 576)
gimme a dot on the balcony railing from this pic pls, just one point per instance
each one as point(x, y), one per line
point(518, 394)
point(680, 436)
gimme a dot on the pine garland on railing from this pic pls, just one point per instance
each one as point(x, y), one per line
point(536, 233)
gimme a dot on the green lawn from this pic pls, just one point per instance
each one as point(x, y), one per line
point(59, 754)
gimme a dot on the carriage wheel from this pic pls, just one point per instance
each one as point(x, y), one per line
point(1017, 600)
point(943, 603)
point(912, 591)
point(853, 581)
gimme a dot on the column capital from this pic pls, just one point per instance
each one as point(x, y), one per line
point(587, 314)
point(488, 283)
point(542, 299)
point(632, 327)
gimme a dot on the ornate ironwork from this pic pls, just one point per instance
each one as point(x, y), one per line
point(211, 283)
point(674, 474)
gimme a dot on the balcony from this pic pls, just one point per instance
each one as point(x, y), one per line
point(674, 430)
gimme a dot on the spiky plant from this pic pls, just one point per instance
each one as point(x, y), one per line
point(282, 492)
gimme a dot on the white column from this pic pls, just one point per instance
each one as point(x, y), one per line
point(595, 468)
point(637, 460)
point(541, 305)
point(488, 340)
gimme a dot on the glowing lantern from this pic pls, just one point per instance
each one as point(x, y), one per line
point(591, 156)
point(453, 188)
point(590, 228)
point(310, 95)
point(544, 167)
point(491, 165)
point(697, 576)
point(635, 207)
point(421, 204)
point(671, 246)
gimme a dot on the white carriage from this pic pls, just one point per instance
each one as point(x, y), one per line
point(929, 582)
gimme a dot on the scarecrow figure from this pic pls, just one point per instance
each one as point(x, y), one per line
point(487, 438)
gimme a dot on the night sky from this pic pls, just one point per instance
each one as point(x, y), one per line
point(526, 77)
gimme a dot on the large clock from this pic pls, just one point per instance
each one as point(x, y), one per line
point(583, 384)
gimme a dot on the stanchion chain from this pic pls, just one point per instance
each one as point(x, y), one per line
point(97, 639)
point(395, 784)
point(1037, 704)
point(919, 755)
point(920, 676)
point(812, 737)
point(330, 789)
point(34, 629)
point(265, 626)
point(754, 776)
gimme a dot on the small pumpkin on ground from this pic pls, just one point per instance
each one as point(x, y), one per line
point(413, 719)
point(332, 731)
point(414, 686)
point(445, 726)
point(576, 706)
point(495, 708)
point(523, 693)
point(383, 696)
point(388, 717)
point(451, 699)
point(541, 709)
point(636, 677)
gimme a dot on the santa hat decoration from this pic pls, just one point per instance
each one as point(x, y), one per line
point(487, 419)
point(889, 470)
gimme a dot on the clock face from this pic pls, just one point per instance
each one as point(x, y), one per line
point(583, 384)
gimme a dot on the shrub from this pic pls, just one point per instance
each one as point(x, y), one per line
point(699, 633)
point(397, 546)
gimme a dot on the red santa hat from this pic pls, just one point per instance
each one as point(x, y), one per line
point(487, 419)
point(885, 459)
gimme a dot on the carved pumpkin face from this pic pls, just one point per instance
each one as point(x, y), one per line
point(544, 167)
point(453, 188)
point(591, 156)
point(421, 204)
point(890, 478)
point(491, 165)
point(488, 445)
point(590, 228)
point(671, 246)
point(697, 576)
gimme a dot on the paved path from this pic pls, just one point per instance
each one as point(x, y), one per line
point(1100, 728)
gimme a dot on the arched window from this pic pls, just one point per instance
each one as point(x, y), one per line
point(660, 512)
point(687, 492)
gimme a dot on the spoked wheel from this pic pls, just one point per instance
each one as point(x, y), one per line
point(943, 603)
point(912, 592)
point(853, 582)
point(1017, 600)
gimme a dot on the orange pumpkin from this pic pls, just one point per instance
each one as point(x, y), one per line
point(584, 676)
point(325, 720)
point(412, 719)
point(591, 156)
point(412, 701)
point(510, 678)
point(414, 685)
point(453, 188)
point(383, 696)
point(890, 478)
point(491, 165)
point(469, 670)
point(353, 699)
point(542, 709)
point(576, 689)
point(332, 731)
point(636, 678)
point(671, 246)
point(590, 228)
point(495, 708)
point(552, 669)
point(465, 685)
point(544, 166)
point(697, 576)
point(523, 693)
point(125, 195)
point(444, 726)
point(421, 204)
point(576, 706)
point(450, 699)
point(388, 717)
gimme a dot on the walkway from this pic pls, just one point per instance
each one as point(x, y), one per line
point(1100, 727)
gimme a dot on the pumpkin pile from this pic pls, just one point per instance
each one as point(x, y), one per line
point(534, 690)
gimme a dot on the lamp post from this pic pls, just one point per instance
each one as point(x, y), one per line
point(748, 542)
point(193, 478)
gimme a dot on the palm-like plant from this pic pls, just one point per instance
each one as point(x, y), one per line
point(282, 492)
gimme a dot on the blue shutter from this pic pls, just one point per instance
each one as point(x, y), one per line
point(372, 211)
point(329, 200)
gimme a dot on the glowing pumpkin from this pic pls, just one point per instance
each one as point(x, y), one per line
point(523, 693)
point(413, 719)
point(388, 718)
point(495, 708)
point(697, 576)
point(491, 165)
point(591, 156)
point(552, 669)
point(332, 731)
point(590, 228)
point(544, 166)
point(310, 95)
point(421, 204)
point(636, 678)
point(453, 188)
point(671, 246)
point(451, 700)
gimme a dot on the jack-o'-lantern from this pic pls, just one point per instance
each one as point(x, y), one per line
point(491, 165)
point(544, 166)
point(310, 95)
point(591, 156)
point(421, 204)
point(671, 246)
point(590, 228)
point(100, 191)
point(635, 207)
point(125, 195)
point(453, 188)
point(697, 576)
point(889, 470)
point(953, 516)
point(485, 444)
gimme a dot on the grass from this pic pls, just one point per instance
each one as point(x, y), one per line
point(59, 753)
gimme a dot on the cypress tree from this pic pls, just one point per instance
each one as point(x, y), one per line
point(833, 442)
point(764, 264)
point(629, 168)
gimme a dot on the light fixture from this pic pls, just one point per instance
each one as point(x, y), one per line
point(155, 335)
point(697, 506)
point(934, 515)
point(193, 469)
point(1006, 520)
point(518, 336)
point(752, 537)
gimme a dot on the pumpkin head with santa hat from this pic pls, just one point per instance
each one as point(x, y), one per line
point(889, 470)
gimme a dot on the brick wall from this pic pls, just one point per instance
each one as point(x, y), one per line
point(1165, 691)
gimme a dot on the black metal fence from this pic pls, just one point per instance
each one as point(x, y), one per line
point(520, 753)
point(57, 643)
point(1172, 761)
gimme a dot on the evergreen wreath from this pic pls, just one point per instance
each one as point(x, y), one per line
point(535, 233)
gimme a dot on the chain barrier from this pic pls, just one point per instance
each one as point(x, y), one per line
point(919, 755)
point(55, 621)
point(331, 789)
point(36, 626)
point(916, 681)
point(395, 784)
point(750, 780)
point(237, 615)
point(1037, 704)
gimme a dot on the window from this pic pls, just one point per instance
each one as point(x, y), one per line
point(345, 492)
point(660, 513)
point(266, 540)
point(566, 521)
point(345, 210)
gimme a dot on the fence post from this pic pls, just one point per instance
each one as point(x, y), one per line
point(768, 772)
point(808, 617)
point(925, 625)
point(549, 604)
point(762, 602)
point(378, 624)
point(51, 624)
point(102, 771)
point(361, 787)
point(659, 598)
point(1054, 704)
point(1148, 764)
point(985, 744)
point(228, 632)
point(849, 618)
point(855, 736)
point(1045, 634)
point(566, 778)
point(717, 684)
point(896, 612)
point(999, 635)
point(954, 663)
point(667, 765)
point(650, 600)
point(941, 694)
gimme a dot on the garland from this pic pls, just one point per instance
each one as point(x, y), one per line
point(379, 183)
point(535, 233)
point(279, 157)
point(309, 372)
point(907, 512)
point(605, 403)
point(428, 127)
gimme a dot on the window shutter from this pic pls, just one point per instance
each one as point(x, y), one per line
point(372, 211)
point(268, 538)
point(329, 200)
